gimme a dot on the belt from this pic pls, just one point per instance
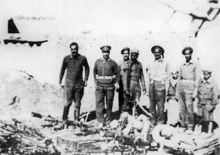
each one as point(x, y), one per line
point(105, 77)
point(187, 80)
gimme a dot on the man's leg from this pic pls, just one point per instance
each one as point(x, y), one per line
point(160, 99)
point(68, 98)
point(208, 116)
point(110, 91)
point(182, 107)
point(78, 94)
point(190, 111)
point(152, 103)
point(120, 97)
point(99, 95)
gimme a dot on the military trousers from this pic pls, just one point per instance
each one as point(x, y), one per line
point(104, 94)
point(184, 95)
point(121, 97)
point(135, 90)
point(157, 98)
point(73, 93)
point(203, 110)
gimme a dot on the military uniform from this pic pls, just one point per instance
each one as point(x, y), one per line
point(74, 84)
point(121, 96)
point(207, 98)
point(106, 73)
point(134, 75)
point(188, 79)
point(159, 71)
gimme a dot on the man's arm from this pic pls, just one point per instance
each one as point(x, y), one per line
point(95, 72)
point(198, 75)
point(142, 79)
point(116, 72)
point(167, 79)
point(197, 78)
point(87, 70)
point(178, 80)
point(215, 93)
point(62, 70)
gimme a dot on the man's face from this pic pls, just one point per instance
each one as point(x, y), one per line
point(126, 55)
point(174, 75)
point(105, 54)
point(74, 50)
point(157, 55)
point(188, 56)
point(206, 75)
point(134, 56)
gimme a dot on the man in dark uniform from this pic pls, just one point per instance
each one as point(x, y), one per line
point(74, 83)
point(135, 75)
point(159, 72)
point(122, 66)
point(106, 76)
point(187, 88)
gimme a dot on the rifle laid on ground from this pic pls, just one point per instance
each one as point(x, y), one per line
point(55, 121)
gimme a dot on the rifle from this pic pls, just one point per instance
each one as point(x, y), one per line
point(54, 121)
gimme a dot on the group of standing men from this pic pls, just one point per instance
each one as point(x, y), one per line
point(127, 78)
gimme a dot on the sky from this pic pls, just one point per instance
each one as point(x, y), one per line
point(119, 23)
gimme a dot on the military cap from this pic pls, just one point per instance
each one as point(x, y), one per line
point(105, 48)
point(189, 49)
point(156, 49)
point(135, 51)
point(207, 69)
point(125, 49)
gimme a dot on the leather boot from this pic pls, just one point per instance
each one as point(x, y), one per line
point(64, 118)
point(76, 115)
point(65, 113)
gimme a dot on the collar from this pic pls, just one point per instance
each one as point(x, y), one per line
point(105, 60)
point(173, 82)
point(159, 60)
point(188, 63)
point(71, 56)
point(206, 81)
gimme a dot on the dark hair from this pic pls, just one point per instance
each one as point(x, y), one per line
point(74, 44)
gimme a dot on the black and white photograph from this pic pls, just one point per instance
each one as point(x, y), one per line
point(109, 77)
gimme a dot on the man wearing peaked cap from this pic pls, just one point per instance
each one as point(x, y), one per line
point(106, 48)
point(135, 77)
point(158, 72)
point(106, 76)
point(187, 89)
point(157, 49)
point(122, 98)
point(125, 49)
point(187, 50)
point(135, 51)
point(207, 95)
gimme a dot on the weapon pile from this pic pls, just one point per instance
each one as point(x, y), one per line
point(197, 143)
point(16, 138)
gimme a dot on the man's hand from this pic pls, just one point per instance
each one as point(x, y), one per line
point(147, 92)
point(144, 91)
point(116, 86)
point(61, 86)
point(211, 108)
point(127, 93)
point(194, 94)
point(85, 83)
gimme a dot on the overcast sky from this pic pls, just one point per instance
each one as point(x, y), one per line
point(137, 24)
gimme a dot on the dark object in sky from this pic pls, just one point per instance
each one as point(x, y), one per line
point(213, 1)
point(31, 43)
point(12, 27)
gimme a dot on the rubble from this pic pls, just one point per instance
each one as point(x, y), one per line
point(27, 128)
